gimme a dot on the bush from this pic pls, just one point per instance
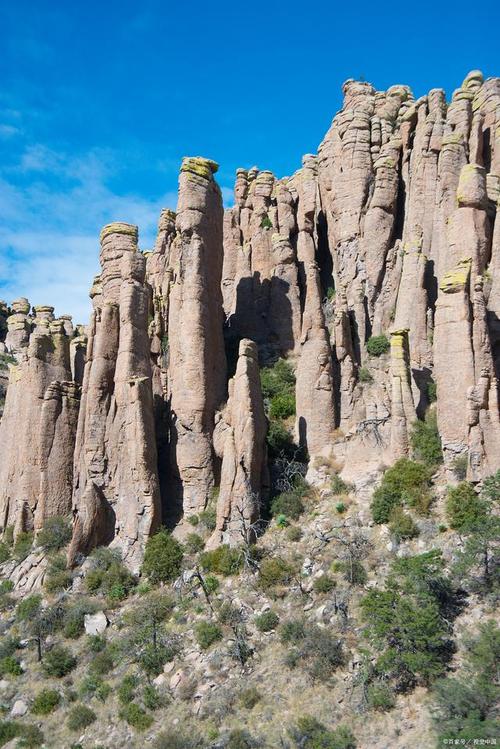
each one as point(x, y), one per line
point(223, 560)
point(338, 485)
point(239, 739)
point(278, 379)
point(22, 545)
point(74, 618)
point(408, 621)
point(324, 584)
point(491, 488)
point(406, 482)
point(194, 543)
point(59, 662)
point(460, 467)
point(45, 702)
point(80, 717)
point(95, 686)
point(96, 643)
point(31, 737)
point(353, 571)
point(135, 716)
point(4, 552)
point(463, 507)
point(314, 648)
point(267, 621)
point(279, 440)
point(109, 575)
point(58, 577)
point(364, 375)
point(8, 730)
point(208, 518)
point(55, 534)
point(431, 391)
point(311, 734)
point(380, 696)
point(207, 633)
point(294, 533)
point(282, 406)
point(10, 666)
point(378, 345)
point(401, 524)
point(102, 663)
point(425, 440)
point(126, 690)
point(250, 697)
point(466, 706)
point(28, 607)
point(266, 222)
point(176, 738)
point(340, 507)
point(288, 504)
point(151, 697)
point(275, 571)
point(162, 558)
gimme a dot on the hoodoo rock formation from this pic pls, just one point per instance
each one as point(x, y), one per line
point(374, 269)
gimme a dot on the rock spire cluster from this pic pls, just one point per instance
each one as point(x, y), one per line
point(389, 236)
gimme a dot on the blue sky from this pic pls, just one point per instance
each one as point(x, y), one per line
point(100, 101)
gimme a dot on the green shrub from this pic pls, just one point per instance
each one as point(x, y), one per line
point(338, 485)
point(309, 733)
point(74, 618)
point(176, 738)
point(10, 666)
point(431, 391)
point(401, 524)
point(96, 643)
point(58, 577)
point(94, 686)
point(491, 488)
point(224, 560)
point(467, 703)
point(109, 575)
point(55, 534)
point(425, 440)
point(22, 545)
point(45, 702)
point(315, 649)
point(28, 607)
point(282, 406)
point(238, 738)
point(380, 696)
point(340, 507)
point(151, 697)
point(266, 222)
point(279, 440)
point(460, 467)
point(294, 533)
point(102, 663)
point(207, 633)
point(9, 645)
point(212, 583)
point(365, 375)
point(288, 504)
point(162, 558)
point(9, 729)
point(126, 690)
point(324, 584)
point(208, 518)
point(408, 621)
point(406, 482)
point(278, 379)
point(80, 717)
point(249, 697)
point(194, 543)
point(4, 552)
point(275, 571)
point(228, 614)
point(59, 661)
point(378, 345)
point(135, 716)
point(353, 571)
point(463, 507)
point(267, 621)
point(31, 737)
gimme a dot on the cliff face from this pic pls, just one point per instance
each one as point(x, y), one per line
point(391, 230)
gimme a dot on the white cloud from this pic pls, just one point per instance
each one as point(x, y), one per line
point(52, 207)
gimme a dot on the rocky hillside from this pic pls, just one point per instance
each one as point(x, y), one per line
point(303, 389)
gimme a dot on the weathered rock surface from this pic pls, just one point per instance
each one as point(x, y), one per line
point(392, 229)
point(116, 492)
point(239, 439)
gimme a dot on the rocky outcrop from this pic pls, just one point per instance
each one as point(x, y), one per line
point(196, 367)
point(239, 439)
point(116, 493)
point(41, 408)
point(391, 230)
